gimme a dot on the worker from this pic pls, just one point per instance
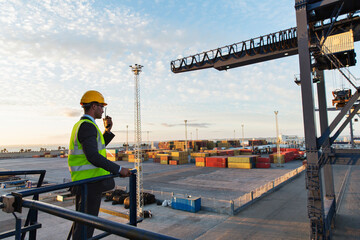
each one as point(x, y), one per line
point(87, 157)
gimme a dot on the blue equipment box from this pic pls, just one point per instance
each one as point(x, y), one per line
point(189, 204)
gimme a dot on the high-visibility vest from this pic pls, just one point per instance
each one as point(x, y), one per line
point(80, 168)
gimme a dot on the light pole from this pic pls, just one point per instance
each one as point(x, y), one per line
point(148, 139)
point(197, 136)
point(186, 148)
point(127, 137)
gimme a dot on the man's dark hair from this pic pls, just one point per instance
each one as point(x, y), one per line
point(87, 106)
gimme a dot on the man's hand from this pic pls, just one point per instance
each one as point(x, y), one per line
point(107, 123)
point(125, 172)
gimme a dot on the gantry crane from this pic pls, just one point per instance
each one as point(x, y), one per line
point(317, 20)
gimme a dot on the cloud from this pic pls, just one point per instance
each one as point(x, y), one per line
point(170, 125)
point(72, 113)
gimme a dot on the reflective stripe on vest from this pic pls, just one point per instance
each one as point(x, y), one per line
point(79, 167)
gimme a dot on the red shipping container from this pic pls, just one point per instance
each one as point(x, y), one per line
point(262, 165)
point(263, 160)
point(288, 156)
point(292, 150)
point(216, 161)
point(173, 162)
point(200, 159)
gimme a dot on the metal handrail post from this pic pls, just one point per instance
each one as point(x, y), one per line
point(17, 228)
point(32, 216)
point(83, 207)
point(132, 190)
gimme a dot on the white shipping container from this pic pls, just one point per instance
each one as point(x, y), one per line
point(339, 43)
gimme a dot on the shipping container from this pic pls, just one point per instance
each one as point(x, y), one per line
point(164, 161)
point(262, 165)
point(200, 164)
point(243, 159)
point(263, 160)
point(240, 165)
point(216, 161)
point(173, 162)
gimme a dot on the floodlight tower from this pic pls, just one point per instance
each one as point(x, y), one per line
point(138, 156)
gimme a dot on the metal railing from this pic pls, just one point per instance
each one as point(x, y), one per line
point(258, 192)
point(15, 201)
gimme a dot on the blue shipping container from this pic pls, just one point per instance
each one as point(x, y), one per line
point(190, 204)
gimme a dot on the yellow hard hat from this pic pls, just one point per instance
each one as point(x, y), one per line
point(92, 96)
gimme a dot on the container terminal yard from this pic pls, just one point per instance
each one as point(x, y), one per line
point(267, 202)
point(218, 190)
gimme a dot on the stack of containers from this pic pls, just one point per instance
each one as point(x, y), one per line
point(200, 161)
point(144, 157)
point(164, 145)
point(180, 157)
point(222, 144)
point(151, 154)
point(263, 162)
point(242, 161)
point(216, 161)
point(198, 154)
point(112, 154)
point(164, 159)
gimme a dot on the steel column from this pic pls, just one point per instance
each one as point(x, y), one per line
point(324, 124)
point(313, 173)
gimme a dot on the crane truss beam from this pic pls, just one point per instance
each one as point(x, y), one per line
point(264, 48)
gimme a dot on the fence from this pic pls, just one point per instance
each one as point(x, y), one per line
point(232, 207)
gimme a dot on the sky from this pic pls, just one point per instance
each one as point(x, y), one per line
point(52, 52)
